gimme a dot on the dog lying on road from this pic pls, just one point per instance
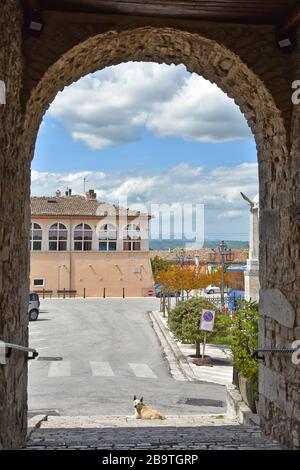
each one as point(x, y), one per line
point(142, 411)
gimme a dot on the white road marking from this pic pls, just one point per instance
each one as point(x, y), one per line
point(142, 370)
point(38, 339)
point(60, 369)
point(101, 369)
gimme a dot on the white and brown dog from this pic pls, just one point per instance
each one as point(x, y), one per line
point(142, 411)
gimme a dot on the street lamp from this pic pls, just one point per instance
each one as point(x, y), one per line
point(226, 255)
point(226, 258)
point(182, 257)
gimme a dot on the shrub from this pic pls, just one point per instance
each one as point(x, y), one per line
point(184, 322)
point(244, 340)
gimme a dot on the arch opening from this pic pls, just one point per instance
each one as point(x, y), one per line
point(200, 55)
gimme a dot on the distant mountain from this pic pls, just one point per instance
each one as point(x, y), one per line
point(165, 245)
point(233, 244)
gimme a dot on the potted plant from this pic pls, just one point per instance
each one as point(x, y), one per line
point(245, 340)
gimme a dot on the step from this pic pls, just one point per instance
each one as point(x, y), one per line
point(205, 432)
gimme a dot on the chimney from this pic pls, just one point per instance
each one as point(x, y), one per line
point(58, 193)
point(90, 195)
point(68, 192)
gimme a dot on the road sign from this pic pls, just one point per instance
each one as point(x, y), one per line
point(207, 320)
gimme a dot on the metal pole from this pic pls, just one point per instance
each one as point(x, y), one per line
point(123, 292)
point(104, 293)
point(64, 292)
point(222, 285)
point(160, 303)
point(204, 344)
point(84, 292)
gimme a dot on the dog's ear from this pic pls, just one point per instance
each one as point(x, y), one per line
point(134, 397)
point(141, 400)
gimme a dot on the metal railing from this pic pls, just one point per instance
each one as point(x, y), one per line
point(10, 346)
point(260, 352)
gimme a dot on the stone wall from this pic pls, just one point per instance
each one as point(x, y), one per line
point(280, 293)
point(14, 188)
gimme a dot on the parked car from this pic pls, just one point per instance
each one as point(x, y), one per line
point(215, 289)
point(34, 306)
point(159, 291)
point(212, 290)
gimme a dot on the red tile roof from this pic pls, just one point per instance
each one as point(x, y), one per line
point(76, 206)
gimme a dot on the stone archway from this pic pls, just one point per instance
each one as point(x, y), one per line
point(219, 65)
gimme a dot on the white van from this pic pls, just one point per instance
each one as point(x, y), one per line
point(34, 306)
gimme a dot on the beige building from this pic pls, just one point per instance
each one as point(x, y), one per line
point(88, 247)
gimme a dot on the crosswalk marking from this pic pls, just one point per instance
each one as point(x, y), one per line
point(142, 370)
point(59, 369)
point(101, 369)
point(97, 369)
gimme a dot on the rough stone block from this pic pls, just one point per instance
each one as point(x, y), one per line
point(269, 224)
point(274, 304)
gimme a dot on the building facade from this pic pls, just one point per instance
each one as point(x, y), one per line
point(83, 247)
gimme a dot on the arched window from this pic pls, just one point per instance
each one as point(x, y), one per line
point(108, 238)
point(132, 238)
point(83, 237)
point(58, 236)
point(36, 236)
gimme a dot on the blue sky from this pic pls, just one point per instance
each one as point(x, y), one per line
point(151, 134)
point(57, 151)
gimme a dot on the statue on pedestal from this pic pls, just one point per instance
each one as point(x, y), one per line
point(252, 271)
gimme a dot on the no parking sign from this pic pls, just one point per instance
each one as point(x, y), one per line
point(207, 320)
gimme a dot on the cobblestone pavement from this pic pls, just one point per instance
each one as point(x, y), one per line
point(119, 433)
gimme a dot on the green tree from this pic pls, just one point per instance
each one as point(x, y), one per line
point(159, 265)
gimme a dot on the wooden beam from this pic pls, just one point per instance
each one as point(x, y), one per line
point(226, 11)
point(291, 21)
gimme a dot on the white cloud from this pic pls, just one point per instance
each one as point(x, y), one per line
point(107, 108)
point(218, 189)
point(230, 214)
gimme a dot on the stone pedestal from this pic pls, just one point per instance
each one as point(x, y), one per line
point(252, 280)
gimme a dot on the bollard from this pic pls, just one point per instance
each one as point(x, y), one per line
point(123, 292)
point(104, 293)
point(164, 305)
point(84, 292)
point(64, 292)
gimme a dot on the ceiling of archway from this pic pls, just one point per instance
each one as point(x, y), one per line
point(242, 11)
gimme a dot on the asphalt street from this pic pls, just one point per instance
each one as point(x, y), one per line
point(95, 354)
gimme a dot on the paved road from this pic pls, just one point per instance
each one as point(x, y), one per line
point(109, 353)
